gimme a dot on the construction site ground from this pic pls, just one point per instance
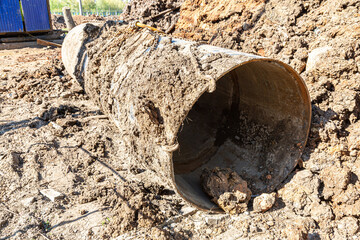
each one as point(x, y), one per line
point(62, 175)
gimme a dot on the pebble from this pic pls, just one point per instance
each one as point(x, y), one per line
point(216, 219)
point(316, 56)
point(27, 201)
point(348, 226)
point(264, 202)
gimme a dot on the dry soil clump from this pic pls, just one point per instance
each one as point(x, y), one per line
point(227, 189)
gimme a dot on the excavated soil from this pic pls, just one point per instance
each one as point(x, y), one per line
point(53, 136)
point(58, 21)
point(146, 12)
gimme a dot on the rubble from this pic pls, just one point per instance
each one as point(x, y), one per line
point(264, 202)
point(52, 194)
point(227, 189)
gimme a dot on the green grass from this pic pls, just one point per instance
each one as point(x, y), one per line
point(88, 5)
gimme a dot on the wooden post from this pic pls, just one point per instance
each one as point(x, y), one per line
point(68, 18)
point(80, 8)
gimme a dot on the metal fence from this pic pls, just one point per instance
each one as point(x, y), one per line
point(98, 13)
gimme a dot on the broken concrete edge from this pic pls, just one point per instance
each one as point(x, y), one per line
point(79, 64)
point(75, 53)
point(52, 194)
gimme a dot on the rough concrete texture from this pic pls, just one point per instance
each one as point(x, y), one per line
point(227, 189)
point(287, 30)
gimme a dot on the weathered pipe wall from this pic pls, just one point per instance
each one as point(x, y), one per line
point(183, 106)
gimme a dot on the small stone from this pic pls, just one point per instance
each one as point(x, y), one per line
point(83, 212)
point(38, 101)
point(353, 153)
point(216, 219)
point(27, 201)
point(317, 56)
point(348, 226)
point(52, 194)
point(187, 210)
point(295, 233)
point(335, 180)
point(321, 212)
point(66, 94)
point(56, 126)
point(264, 202)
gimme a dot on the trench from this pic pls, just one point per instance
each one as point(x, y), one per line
point(254, 123)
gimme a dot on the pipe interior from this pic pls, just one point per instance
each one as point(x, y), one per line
point(253, 123)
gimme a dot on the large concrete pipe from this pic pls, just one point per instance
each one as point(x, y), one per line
point(182, 106)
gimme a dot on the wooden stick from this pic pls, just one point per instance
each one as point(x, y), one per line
point(47, 43)
point(70, 24)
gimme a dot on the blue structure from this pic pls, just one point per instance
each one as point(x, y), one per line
point(34, 17)
point(10, 16)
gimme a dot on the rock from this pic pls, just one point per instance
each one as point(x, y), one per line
point(302, 190)
point(27, 201)
point(335, 180)
point(52, 194)
point(227, 189)
point(264, 202)
point(187, 210)
point(216, 219)
point(354, 137)
point(321, 212)
point(56, 126)
point(295, 233)
point(317, 56)
point(299, 228)
point(348, 226)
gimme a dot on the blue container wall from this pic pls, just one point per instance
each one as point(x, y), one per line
point(10, 16)
point(36, 15)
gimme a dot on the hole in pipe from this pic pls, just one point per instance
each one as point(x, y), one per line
point(253, 123)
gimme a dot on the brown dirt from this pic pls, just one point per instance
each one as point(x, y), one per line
point(58, 21)
point(81, 157)
point(143, 11)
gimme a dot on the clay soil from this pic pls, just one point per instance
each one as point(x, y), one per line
point(52, 136)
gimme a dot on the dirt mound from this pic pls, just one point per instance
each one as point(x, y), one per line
point(145, 12)
point(58, 21)
point(320, 39)
point(65, 144)
point(204, 20)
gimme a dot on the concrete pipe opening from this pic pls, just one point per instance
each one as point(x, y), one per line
point(256, 123)
point(182, 107)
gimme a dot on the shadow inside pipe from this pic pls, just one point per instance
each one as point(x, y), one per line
point(255, 123)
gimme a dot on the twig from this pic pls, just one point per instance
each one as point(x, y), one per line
point(44, 236)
